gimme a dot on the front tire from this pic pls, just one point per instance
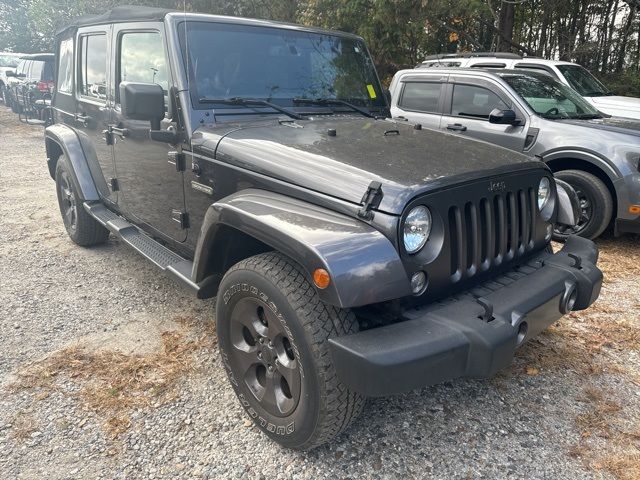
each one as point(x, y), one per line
point(273, 333)
point(596, 205)
point(82, 228)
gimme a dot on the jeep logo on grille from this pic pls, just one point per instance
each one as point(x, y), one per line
point(497, 186)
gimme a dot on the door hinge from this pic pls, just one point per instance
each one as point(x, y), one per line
point(178, 159)
point(181, 217)
point(115, 186)
point(370, 200)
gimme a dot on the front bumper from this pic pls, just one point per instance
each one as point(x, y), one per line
point(474, 334)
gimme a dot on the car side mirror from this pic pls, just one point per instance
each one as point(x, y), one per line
point(142, 101)
point(503, 117)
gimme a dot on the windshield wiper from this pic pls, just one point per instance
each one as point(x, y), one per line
point(334, 101)
point(588, 116)
point(247, 102)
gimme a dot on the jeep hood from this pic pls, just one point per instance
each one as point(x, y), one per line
point(406, 161)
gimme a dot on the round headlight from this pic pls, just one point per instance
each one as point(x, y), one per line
point(417, 227)
point(544, 193)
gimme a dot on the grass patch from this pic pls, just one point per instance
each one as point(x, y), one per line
point(112, 384)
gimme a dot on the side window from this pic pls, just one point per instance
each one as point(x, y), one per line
point(142, 59)
point(93, 67)
point(477, 102)
point(65, 67)
point(22, 68)
point(36, 70)
point(421, 97)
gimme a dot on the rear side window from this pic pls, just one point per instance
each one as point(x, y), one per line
point(93, 67)
point(142, 59)
point(475, 102)
point(36, 70)
point(65, 67)
point(421, 97)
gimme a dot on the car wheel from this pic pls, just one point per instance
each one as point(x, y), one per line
point(3, 94)
point(273, 333)
point(81, 227)
point(13, 103)
point(596, 205)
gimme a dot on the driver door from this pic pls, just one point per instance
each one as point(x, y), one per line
point(151, 188)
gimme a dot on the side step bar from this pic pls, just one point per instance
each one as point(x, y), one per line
point(170, 262)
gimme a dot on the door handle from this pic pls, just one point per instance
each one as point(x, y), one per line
point(81, 118)
point(456, 127)
point(121, 132)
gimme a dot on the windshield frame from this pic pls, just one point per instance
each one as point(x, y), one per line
point(221, 108)
point(563, 68)
point(573, 96)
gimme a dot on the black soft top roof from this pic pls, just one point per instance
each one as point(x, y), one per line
point(123, 13)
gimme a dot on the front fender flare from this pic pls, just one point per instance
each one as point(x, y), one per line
point(364, 266)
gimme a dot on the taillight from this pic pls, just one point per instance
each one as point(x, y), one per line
point(42, 87)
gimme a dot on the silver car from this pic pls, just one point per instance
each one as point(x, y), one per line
point(531, 112)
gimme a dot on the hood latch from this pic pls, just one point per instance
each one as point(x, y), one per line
point(371, 200)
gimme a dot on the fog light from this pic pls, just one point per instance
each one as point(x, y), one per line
point(418, 283)
point(568, 300)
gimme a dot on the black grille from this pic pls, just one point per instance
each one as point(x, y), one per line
point(490, 231)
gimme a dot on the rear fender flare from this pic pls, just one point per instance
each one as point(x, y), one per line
point(364, 266)
point(63, 139)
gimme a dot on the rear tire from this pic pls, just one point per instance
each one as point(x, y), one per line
point(82, 228)
point(272, 325)
point(595, 202)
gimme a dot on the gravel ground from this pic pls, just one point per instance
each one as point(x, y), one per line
point(568, 408)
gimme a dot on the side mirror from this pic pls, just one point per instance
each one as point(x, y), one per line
point(142, 101)
point(503, 117)
point(568, 204)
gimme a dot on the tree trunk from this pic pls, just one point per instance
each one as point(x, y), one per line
point(507, 22)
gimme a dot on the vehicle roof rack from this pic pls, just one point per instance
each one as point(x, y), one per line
point(443, 56)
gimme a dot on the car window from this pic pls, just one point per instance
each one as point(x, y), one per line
point(549, 98)
point(477, 102)
point(22, 68)
point(421, 97)
point(142, 59)
point(582, 81)
point(36, 70)
point(65, 68)
point(8, 61)
point(93, 67)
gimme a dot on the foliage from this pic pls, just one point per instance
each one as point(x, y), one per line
point(603, 35)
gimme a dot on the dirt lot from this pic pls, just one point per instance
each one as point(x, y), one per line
point(109, 370)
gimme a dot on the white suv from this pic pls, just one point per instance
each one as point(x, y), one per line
point(572, 74)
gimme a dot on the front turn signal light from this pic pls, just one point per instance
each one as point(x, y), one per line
point(321, 278)
point(634, 209)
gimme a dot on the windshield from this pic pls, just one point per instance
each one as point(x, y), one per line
point(277, 65)
point(582, 81)
point(551, 99)
point(9, 61)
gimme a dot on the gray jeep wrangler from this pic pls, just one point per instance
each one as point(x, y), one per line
point(351, 255)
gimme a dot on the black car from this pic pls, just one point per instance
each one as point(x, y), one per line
point(350, 255)
point(31, 85)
